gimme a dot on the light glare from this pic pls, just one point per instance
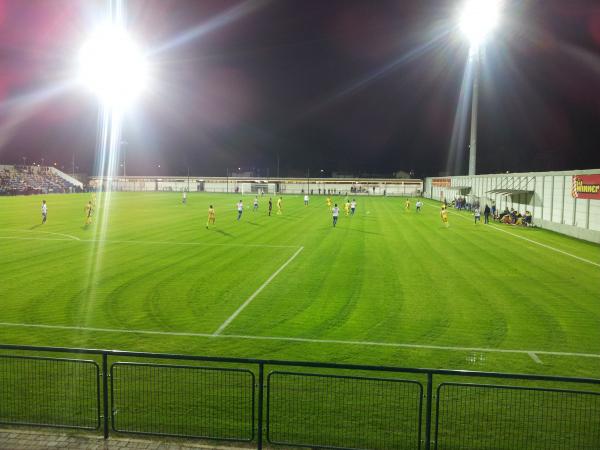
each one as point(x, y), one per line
point(112, 66)
point(478, 19)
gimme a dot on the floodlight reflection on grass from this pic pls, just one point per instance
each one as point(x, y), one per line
point(478, 19)
point(112, 66)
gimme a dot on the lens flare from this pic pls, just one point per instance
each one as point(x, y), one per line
point(478, 19)
point(112, 66)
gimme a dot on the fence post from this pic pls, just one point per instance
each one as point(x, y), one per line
point(428, 411)
point(259, 436)
point(105, 391)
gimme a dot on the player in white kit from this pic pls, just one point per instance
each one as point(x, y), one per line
point(336, 213)
point(44, 211)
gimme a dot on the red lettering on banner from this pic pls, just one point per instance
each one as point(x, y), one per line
point(442, 182)
point(586, 186)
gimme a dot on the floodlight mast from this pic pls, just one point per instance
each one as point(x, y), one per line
point(478, 19)
point(474, 112)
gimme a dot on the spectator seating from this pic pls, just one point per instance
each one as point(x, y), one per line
point(19, 180)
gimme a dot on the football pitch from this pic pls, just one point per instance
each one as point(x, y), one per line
point(387, 286)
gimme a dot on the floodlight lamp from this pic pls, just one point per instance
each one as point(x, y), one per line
point(112, 66)
point(478, 19)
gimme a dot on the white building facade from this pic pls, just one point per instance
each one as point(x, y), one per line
point(246, 185)
point(567, 202)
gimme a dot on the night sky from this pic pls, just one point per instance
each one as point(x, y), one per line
point(360, 87)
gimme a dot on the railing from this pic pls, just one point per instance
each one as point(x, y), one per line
point(295, 404)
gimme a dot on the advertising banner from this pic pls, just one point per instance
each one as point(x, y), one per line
point(441, 182)
point(586, 186)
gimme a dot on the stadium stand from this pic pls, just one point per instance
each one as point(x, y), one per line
point(25, 180)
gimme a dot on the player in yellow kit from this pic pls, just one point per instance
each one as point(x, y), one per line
point(329, 203)
point(211, 216)
point(407, 204)
point(88, 213)
point(347, 207)
point(444, 216)
point(279, 206)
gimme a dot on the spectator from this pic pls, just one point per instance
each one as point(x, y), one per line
point(486, 214)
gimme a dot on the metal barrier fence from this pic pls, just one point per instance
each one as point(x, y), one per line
point(317, 405)
point(183, 401)
point(51, 392)
point(300, 406)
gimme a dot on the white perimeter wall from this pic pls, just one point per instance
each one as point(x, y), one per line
point(285, 186)
point(552, 204)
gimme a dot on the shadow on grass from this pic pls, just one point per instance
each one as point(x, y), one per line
point(362, 231)
point(224, 233)
point(36, 226)
point(288, 217)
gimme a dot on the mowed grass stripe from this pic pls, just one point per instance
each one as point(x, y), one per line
point(389, 276)
point(301, 305)
point(255, 293)
point(549, 305)
point(584, 251)
point(479, 310)
point(522, 280)
point(116, 297)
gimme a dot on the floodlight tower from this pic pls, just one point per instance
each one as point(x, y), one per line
point(477, 20)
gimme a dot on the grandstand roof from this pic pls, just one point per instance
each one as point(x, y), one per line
point(504, 191)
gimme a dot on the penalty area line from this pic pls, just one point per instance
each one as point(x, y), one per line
point(109, 241)
point(531, 353)
point(253, 296)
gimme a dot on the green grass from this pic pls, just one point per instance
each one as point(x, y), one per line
point(385, 275)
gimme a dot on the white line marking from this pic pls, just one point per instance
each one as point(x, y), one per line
point(546, 246)
point(108, 241)
point(253, 296)
point(104, 330)
point(205, 244)
point(71, 237)
point(533, 356)
point(534, 242)
point(16, 238)
point(306, 340)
